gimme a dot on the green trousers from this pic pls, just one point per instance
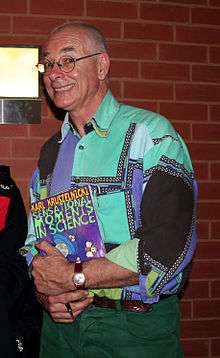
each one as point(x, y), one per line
point(114, 333)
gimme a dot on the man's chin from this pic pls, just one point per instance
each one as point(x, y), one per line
point(62, 104)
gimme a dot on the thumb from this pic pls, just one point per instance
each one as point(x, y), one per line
point(47, 248)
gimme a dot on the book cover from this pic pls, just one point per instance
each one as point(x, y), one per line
point(68, 221)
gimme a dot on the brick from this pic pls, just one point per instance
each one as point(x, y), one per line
point(45, 111)
point(111, 9)
point(26, 148)
point(57, 7)
point(5, 147)
point(126, 69)
point(149, 106)
point(14, 130)
point(205, 73)
point(215, 347)
point(205, 270)
point(182, 53)
point(206, 309)
point(214, 54)
point(201, 170)
point(188, 2)
point(214, 3)
point(165, 71)
point(184, 129)
point(195, 348)
point(208, 250)
point(7, 161)
point(206, 131)
point(214, 113)
point(45, 129)
point(215, 231)
point(145, 90)
point(13, 6)
point(205, 16)
point(186, 308)
point(203, 230)
point(200, 328)
point(207, 151)
point(209, 191)
point(109, 28)
point(35, 25)
point(5, 24)
point(209, 210)
point(196, 289)
point(184, 111)
point(116, 88)
point(23, 168)
point(215, 171)
point(131, 50)
point(23, 185)
point(22, 40)
point(196, 34)
point(148, 31)
point(160, 12)
point(198, 92)
point(215, 288)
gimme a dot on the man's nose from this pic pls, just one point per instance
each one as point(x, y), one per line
point(55, 72)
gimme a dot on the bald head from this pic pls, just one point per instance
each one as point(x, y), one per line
point(94, 38)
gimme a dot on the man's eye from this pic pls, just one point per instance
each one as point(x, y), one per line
point(68, 60)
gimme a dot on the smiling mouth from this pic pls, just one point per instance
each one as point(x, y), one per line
point(63, 88)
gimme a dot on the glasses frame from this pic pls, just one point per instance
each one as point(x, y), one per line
point(41, 66)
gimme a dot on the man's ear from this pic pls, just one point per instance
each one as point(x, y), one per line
point(103, 66)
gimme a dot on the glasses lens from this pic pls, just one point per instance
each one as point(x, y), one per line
point(48, 66)
point(67, 63)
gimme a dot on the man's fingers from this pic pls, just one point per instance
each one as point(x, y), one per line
point(65, 318)
point(47, 248)
point(80, 305)
point(72, 296)
point(75, 306)
point(60, 313)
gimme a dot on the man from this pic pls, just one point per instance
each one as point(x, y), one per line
point(142, 179)
point(19, 311)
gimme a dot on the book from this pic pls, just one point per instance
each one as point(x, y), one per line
point(69, 222)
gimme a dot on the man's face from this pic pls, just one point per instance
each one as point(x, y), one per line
point(76, 89)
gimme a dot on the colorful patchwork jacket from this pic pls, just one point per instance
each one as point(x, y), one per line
point(143, 183)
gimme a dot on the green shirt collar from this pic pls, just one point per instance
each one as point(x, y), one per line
point(101, 120)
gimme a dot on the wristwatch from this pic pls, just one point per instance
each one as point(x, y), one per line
point(79, 278)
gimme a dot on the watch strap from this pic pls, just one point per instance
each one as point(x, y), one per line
point(78, 267)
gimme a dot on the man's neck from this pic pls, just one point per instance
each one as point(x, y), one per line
point(83, 116)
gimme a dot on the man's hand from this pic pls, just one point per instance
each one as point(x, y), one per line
point(78, 301)
point(52, 273)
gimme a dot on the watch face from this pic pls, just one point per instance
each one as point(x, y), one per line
point(79, 279)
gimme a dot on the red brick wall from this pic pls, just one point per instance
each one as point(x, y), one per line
point(165, 57)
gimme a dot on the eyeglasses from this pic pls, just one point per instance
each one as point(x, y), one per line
point(66, 63)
